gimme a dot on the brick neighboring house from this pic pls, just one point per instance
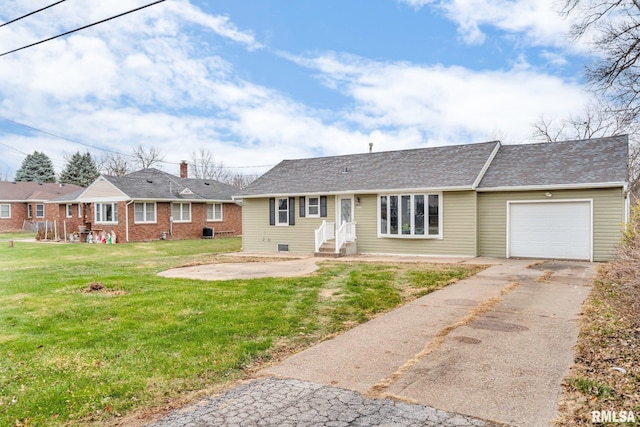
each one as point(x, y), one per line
point(151, 204)
point(29, 202)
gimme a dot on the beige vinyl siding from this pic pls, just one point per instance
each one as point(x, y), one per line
point(102, 190)
point(458, 229)
point(258, 236)
point(608, 218)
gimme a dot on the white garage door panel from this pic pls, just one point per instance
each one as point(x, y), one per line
point(550, 230)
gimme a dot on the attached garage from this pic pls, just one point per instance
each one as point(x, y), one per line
point(559, 229)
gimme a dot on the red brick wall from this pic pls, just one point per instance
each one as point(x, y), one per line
point(231, 214)
point(18, 215)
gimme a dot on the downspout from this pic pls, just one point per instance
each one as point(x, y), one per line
point(126, 215)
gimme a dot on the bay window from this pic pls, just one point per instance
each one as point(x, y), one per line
point(410, 215)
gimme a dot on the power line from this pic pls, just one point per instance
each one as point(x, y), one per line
point(81, 28)
point(32, 13)
point(104, 149)
point(63, 138)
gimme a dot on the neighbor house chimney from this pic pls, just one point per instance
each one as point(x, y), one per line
point(184, 169)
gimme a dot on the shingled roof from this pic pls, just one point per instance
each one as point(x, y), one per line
point(568, 163)
point(448, 167)
point(33, 191)
point(154, 184)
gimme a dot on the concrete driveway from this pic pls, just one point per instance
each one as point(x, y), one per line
point(495, 346)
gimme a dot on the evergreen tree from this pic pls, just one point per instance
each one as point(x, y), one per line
point(81, 170)
point(36, 167)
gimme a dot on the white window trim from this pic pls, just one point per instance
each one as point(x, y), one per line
point(286, 223)
point(213, 211)
point(39, 216)
point(114, 206)
point(309, 214)
point(144, 213)
point(181, 220)
point(426, 226)
point(69, 210)
point(9, 206)
point(29, 210)
point(79, 210)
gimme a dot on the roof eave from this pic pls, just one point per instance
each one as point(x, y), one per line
point(581, 186)
point(346, 192)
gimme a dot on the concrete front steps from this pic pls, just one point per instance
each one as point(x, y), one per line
point(327, 250)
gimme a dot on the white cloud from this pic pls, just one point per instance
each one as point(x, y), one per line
point(446, 104)
point(538, 22)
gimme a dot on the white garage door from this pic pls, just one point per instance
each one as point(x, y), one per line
point(550, 230)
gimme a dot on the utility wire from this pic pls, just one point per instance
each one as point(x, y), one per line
point(105, 149)
point(32, 13)
point(82, 28)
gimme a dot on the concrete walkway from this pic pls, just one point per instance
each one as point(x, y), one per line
point(491, 348)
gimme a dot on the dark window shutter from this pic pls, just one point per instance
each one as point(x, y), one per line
point(302, 207)
point(323, 206)
point(272, 211)
point(292, 211)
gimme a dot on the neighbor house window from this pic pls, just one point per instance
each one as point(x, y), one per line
point(5, 211)
point(106, 213)
point(144, 212)
point(29, 210)
point(313, 206)
point(69, 211)
point(214, 212)
point(181, 212)
point(79, 210)
point(410, 215)
point(39, 211)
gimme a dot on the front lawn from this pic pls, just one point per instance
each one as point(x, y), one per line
point(90, 333)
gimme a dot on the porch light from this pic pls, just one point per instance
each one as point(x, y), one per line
point(548, 194)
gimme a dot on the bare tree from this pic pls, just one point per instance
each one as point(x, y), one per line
point(204, 166)
point(597, 120)
point(240, 180)
point(114, 164)
point(614, 27)
point(146, 157)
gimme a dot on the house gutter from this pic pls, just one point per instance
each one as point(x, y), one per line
point(583, 186)
point(356, 191)
point(126, 216)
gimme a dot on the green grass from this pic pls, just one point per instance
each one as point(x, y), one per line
point(13, 236)
point(72, 356)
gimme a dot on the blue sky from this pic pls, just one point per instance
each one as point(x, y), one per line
point(259, 81)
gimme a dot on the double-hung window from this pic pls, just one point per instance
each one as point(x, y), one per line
point(214, 212)
point(144, 212)
point(69, 211)
point(29, 210)
point(5, 211)
point(181, 212)
point(39, 211)
point(313, 206)
point(410, 215)
point(283, 211)
point(106, 213)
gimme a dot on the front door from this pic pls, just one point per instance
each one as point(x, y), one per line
point(346, 210)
